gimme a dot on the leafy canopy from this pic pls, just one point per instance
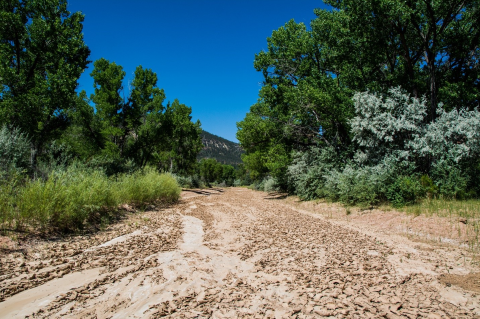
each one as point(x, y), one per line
point(42, 55)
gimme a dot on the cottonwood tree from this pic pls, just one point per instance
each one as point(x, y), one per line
point(140, 127)
point(429, 48)
point(42, 55)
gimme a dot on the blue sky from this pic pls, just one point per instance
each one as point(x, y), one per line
point(202, 51)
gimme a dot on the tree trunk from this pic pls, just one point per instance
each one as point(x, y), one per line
point(433, 88)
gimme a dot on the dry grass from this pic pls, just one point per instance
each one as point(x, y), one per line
point(466, 212)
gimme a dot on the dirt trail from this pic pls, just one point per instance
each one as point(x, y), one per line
point(230, 254)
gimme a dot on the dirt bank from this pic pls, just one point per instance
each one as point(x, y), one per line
point(231, 254)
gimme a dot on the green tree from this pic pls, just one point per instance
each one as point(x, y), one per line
point(110, 111)
point(140, 127)
point(144, 120)
point(207, 168)
point(427, 47)
point(228, 174)
point(310, 75)
point(184, 139)
point(42, 55)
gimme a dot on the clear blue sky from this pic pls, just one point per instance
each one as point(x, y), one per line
point(202, 51)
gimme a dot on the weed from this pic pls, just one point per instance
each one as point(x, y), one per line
point(458, 211)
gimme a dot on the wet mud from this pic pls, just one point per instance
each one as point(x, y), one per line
point(233, 253)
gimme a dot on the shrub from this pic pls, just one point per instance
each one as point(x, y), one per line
point(65, 200)
point(428, 186)
point(270, 185)
point(15, 151)
point(308, 169)
point(146, 186)
point(8, 188)
point(193, 181)
point(184, 182)
point(454, 136)
point(197, 182)
point(359, 185)
point(258, 185)
point(405, 190)
point(384, 125)
point(222, 184)
point(55, 158)
point(450, 180)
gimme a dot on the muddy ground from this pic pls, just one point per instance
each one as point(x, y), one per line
point(236, 253)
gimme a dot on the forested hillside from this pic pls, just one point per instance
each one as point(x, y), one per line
point(224, 151)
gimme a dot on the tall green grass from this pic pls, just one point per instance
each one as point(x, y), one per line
point(72, 199)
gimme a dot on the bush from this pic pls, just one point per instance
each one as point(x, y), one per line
point(359, 185)
point(450, 180)
point(147, 186)
point(8, 188)
point(193, 181)
point(55, 158)
point(258, 185)
point(15, 151)
point(385, 125)
point(184, 182)
point(270, 185)
point(405, 190)
point(308, 169)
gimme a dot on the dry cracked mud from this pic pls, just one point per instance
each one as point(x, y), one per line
point(231, 254)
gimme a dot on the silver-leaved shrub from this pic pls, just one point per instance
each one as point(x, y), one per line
point(384, 125)
point(398, 150)
point(454, 136)
point(15, 151)
point(308, 170)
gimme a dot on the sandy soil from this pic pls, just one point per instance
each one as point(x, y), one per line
point(238, 253)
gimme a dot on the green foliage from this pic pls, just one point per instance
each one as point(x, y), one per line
point(359, 185)
point(450, 179)
point(207, 170)
point(192, 181)
point(385, 125)
point(308, 99)
point(147, 186)
point(140, 128)
point(308, 169)
point(212, 171)
point(237, 183)
point(405, 190)
point(182, 143)
point(70, 199)
point(15, 151)
point(270, 185)
point(427, 48)
point(42, 55)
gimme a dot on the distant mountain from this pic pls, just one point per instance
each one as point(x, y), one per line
point(224, 151)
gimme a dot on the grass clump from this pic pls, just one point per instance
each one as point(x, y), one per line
point(72, 199)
